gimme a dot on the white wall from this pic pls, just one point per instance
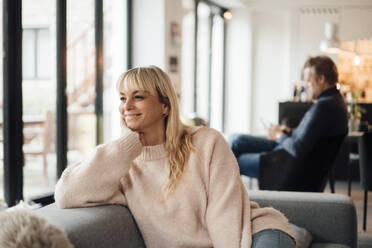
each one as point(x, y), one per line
point(152, 44)
point(311, 33)
point(356, 23)
point(258, 55)
point(172, 48)
point(148, 33)
point(238, 72)
point(271, 36)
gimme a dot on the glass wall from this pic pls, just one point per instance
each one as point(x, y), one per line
point(80, 79)
point(114, 52)
point(39, 86)
point(209, 69)
point(203, 61)
point(217, 68)
point(39, 94)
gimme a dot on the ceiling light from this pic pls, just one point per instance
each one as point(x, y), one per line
point(227, 15)
point(331, 43)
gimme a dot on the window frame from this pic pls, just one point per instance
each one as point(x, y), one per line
point(12, 85)
point(215, 10)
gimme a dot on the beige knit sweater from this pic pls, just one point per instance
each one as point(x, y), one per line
point(209, 208)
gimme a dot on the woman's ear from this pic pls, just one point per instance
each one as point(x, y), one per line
point(165, 109)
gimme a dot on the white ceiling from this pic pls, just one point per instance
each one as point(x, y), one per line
point(230, 3)
point(291, 3)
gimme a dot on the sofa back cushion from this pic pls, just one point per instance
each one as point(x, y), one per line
point(96, 227)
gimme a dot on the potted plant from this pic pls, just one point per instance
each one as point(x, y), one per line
point(355, 111)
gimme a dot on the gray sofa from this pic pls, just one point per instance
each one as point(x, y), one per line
point(331, 219)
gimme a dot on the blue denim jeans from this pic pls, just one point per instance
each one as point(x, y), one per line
point(247, 150)
point(271, 238)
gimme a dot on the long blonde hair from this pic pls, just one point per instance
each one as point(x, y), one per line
point(177, 140)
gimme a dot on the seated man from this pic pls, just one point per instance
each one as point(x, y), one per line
point(327, 117)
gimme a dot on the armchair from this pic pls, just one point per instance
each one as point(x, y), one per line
point(279, 170)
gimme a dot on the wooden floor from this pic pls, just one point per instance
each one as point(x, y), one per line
point(357, 195)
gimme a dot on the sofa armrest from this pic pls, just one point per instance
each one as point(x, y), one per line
point(330, 218)
point(96, 227)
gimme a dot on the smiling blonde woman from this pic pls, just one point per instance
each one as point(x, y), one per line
point(181, 183)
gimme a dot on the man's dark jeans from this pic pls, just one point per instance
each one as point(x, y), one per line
point(273, 239)
point(248, 149)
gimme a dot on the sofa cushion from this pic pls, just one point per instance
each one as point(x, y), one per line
point(302, 236)
point(328, 245)
point(96, 227)
point(330, 218)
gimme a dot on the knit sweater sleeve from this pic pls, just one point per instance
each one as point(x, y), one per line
point(228, 212)
point(96, 180)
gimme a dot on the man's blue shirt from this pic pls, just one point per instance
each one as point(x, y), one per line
point(326, 118)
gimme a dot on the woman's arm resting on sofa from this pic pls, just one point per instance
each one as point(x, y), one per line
point(97, 180)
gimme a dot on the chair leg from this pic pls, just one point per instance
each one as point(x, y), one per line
point(332, 184)
point(331, 179)
point(365, 210)
point(349, 180)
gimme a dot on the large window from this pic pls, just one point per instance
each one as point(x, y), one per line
point(217, 73)
point(115, 55)
point(39, 94)
point(80, 79)
point(36, 53)
point(39, 88)
point(203, 61)
point(205, 97)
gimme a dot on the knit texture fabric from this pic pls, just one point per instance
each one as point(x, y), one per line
point(209, 207)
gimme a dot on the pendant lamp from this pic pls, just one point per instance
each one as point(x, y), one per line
point(331, 43)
